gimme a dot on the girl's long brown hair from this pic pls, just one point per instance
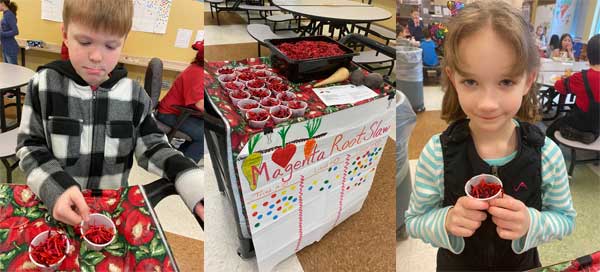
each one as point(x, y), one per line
point(506, 22)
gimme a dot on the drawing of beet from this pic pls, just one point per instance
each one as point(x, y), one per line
point(283, 154)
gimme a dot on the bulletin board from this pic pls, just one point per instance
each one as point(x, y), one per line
point(183, 14)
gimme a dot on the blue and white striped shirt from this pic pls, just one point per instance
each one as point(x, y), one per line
point(426, 216)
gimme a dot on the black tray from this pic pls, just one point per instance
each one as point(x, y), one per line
point(307, 69)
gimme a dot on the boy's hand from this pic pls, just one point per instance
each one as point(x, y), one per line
point(510, 216)
point(70, 207)
point(466, 216)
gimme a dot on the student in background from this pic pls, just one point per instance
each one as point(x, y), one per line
point(553, 44)
point(415, 25)
point(10, 47)
point(404, 38)
point(582, 123)
point(187, 91)
point(565, 47)
point(430, 57)
point(540, 39)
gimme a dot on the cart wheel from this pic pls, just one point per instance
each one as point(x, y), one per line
point(246, 249)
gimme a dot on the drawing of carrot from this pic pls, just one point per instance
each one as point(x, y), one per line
point(311, 127)
point(253, 160)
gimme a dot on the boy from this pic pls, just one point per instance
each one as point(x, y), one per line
point(430, 57)
point(83, 119)
point(415, 25)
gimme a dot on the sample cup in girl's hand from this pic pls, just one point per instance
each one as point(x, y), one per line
point(484, 187)
point(98, 232)
point(49, 249)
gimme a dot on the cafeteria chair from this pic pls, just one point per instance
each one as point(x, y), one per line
point(152, 85)
point(575, 146)
point(8, 146)
point(261, 32)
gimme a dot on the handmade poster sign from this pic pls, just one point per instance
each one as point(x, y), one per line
point(301, 180)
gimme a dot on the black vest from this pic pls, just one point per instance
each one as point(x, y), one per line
point(584, 121)
point(485, 250)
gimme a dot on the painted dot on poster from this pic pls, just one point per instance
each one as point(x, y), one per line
point(254, 214)
point(321, 189)
point(329, 170)
point(278, 201)
point(273, 195)
point(254, 206)
point(347, 188)
point(279, 208)
point(269, 213)
point(260, 216)
point(357, 158)
point(310, 187)
point(352, 178)
point(272, 206)
point(354, 162)
point(286, 204)
point(256, 225)
point(283, 192)
point(295, 199)
point(358, 175)
point(314, 182)
point(284, 198)
point(275, 217)
point(337, 177)
point(329, 187)
point(293, 187)
point(349, 172)
point(284, 211)
point(266, 203)
point(371, 159)
point(326, 181)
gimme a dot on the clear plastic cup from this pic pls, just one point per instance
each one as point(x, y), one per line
point(298, 108)
point(488, 179)
point(98, 219)
point(257, 123)
point(279, 119)
point(41, 238)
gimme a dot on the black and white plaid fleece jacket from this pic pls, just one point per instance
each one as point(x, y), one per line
point(71, 135)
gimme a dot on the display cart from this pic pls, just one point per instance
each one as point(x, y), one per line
point(275, 193)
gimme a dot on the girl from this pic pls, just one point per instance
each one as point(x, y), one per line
point(540, 39)
point(553, 44)
point(565, 47)
point(489, 104)
point(9, 30)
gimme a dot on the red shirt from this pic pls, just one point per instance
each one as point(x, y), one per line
point(577, 87)
point(187, 90)
point(64, 52)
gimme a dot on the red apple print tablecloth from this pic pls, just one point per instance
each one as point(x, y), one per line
point(240, 131)
point(140, 245)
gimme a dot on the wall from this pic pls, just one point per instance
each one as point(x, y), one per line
point(184, 14)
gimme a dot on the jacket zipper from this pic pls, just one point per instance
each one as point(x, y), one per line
point(92, 115)
point(491, 247)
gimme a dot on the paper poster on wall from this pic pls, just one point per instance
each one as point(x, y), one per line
point(563, 16)
point(183, 38)
point(52, 10)
point(151, 15)
point(300, 181)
